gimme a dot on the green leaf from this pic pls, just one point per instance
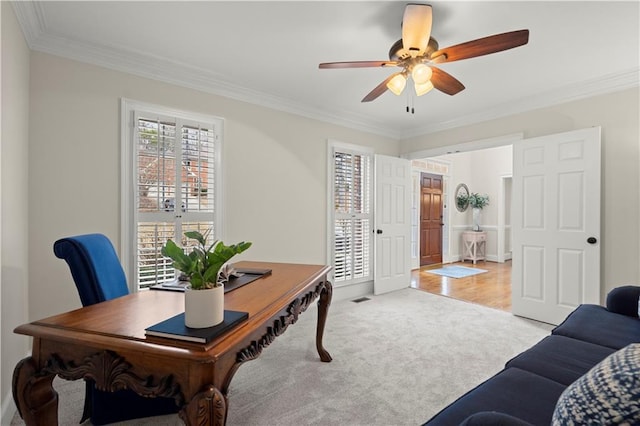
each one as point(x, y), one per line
point(195, 235)
point(202, 265)
point(181, 261)
point(197, 282)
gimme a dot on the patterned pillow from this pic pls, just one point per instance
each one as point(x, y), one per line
point(607, 394)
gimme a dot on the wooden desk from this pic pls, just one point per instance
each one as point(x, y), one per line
point(474, 245)
point(106, 342)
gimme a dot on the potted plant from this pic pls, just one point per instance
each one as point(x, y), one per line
point(204, 296)
point(477, 202)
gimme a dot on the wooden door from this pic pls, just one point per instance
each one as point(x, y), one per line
point(430, 219)
point(556, 224)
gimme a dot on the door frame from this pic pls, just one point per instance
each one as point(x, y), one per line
point(428, 154)
point(502, 213)
point(436, 167)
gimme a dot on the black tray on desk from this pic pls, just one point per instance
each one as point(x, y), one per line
point(249, 276)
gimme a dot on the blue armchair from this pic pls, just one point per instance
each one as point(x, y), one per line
point(98, 276)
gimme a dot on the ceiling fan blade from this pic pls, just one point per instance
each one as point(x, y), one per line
point(357, 64)
point(379, 89)
point(481, 46)
point(445, 82)
point(416, 28)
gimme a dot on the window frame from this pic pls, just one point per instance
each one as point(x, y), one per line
point(129, 109)
point(332, 147)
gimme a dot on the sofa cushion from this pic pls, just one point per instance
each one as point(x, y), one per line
point(624, 300)
point(512, 391)
point(608, 394)
point(595, 324)
point(560, 358)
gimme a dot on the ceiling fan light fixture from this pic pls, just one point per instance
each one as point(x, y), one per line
point(421, 89)
point(397, 84)
point(421, 73)
point(416, 28)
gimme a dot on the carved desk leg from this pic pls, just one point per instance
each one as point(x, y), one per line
point(33, 394)
point(208, 407)
point(323, 308)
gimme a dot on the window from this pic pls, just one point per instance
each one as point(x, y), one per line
point(351, 215)
point(172, 187)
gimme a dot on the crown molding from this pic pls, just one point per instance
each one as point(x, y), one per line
point(31, 18)
point(162, 69)
point(30, 15)
point(576, 91)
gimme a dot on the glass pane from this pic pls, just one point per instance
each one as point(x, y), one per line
point(361, 244)
point(198, 162)
point(343, 181)
point(342, 250)
point(156, 166)
point(351, 186)
point(153, 268)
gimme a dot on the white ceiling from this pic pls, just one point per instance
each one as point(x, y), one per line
point(268, 53)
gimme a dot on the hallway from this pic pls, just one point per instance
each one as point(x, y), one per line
point(491, 289)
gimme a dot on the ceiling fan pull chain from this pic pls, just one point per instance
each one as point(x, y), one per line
point(413, 98)
point(408, 94)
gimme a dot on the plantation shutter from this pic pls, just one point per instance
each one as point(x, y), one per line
point(175, 189)
point(352, 216)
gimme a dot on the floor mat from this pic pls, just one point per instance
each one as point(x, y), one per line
point(456, 271)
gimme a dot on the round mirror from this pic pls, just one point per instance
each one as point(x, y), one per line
point(462, 197)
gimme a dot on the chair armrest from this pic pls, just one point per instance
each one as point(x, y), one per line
point(493, 418)
point(624, 300)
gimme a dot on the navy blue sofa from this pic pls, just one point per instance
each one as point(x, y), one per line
point(526, 391)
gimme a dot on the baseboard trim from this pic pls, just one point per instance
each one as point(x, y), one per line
point(352, 291)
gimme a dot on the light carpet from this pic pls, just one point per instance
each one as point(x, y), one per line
point(398, 359)
point(456, 271)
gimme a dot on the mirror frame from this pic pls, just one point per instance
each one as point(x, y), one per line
point(461, 189)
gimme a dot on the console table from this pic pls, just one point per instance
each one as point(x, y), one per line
point(474, 245)
point(106, 342)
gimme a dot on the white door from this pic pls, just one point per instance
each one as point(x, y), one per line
point(393, 224)
point(556, 224)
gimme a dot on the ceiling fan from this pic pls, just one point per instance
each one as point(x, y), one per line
point(417, 53)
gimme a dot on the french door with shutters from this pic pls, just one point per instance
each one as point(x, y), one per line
point(556, 224)
point(352, 215)
point(175, 162)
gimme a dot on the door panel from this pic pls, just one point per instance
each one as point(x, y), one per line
point(556, 208)
point(393, 224)
point(430, 219)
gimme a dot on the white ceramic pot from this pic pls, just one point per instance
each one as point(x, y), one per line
point(204, 308)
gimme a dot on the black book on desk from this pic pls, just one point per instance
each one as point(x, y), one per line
point(174, 328)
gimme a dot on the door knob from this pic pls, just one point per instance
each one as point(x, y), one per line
point(592, 240)
point(379, 231)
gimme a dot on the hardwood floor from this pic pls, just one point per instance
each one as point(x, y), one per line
point(491, 289)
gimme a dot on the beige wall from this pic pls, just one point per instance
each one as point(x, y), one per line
point(14, 179)
point(619, 116)
point(275, 169)
point(481, 171)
